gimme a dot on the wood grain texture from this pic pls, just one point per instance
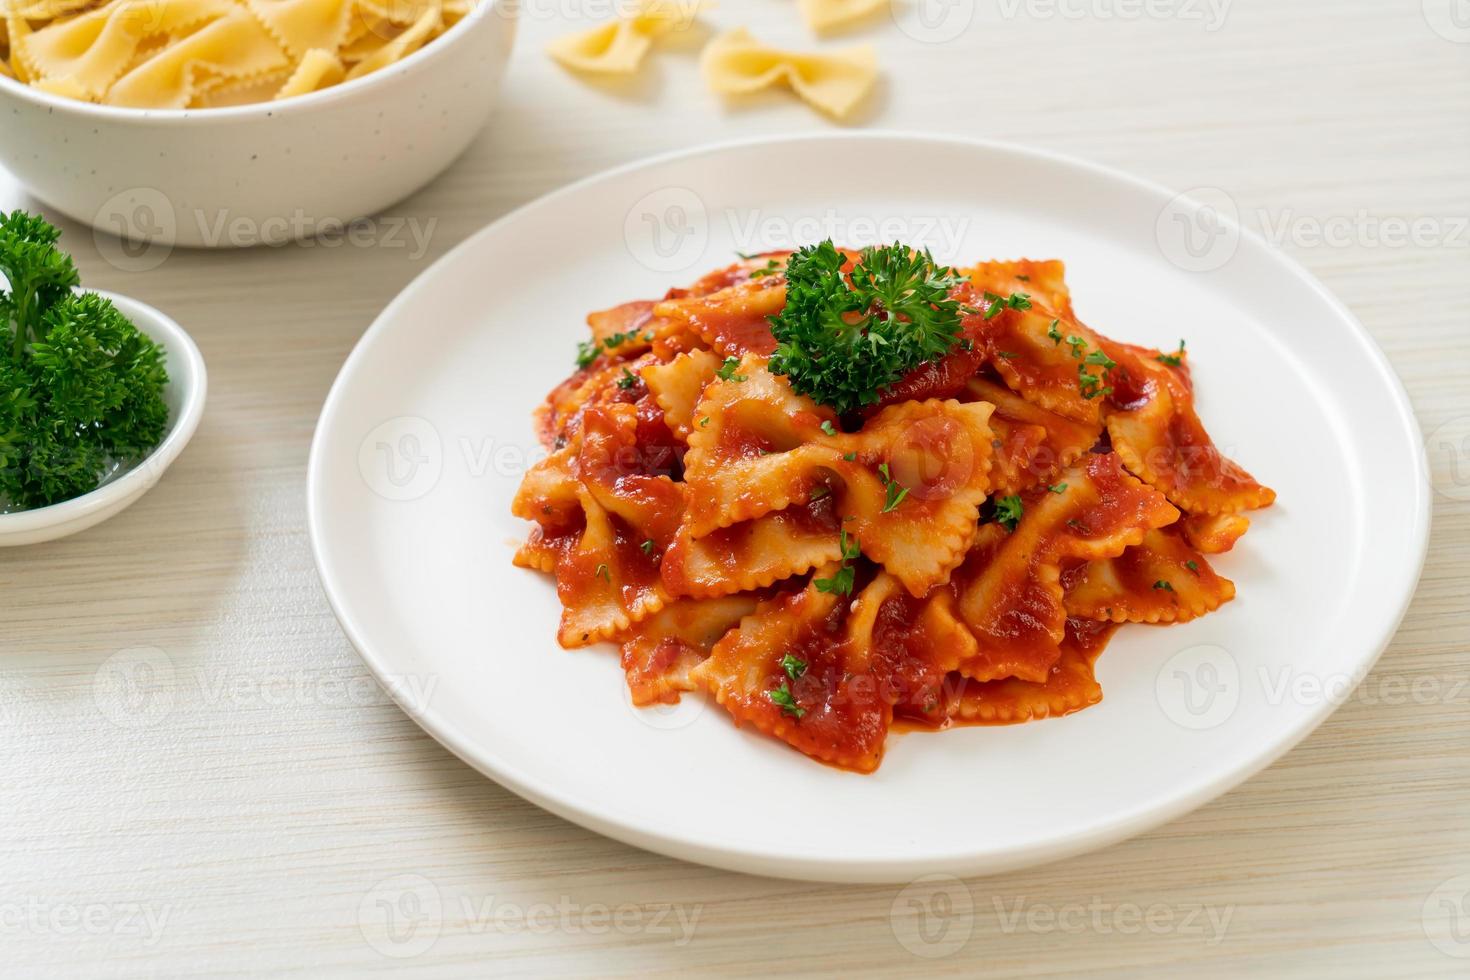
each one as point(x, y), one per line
point(264, 801)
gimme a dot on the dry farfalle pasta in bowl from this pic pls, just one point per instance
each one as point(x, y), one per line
point(238, 122)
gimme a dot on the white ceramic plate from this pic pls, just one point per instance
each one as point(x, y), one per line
point(427, 431)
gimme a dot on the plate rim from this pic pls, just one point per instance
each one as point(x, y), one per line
point(737, 856)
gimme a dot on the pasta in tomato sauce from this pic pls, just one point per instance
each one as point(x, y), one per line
point(751, 516)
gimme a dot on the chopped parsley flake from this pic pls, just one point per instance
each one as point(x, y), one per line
point(1058, 488)
point(827, 428)
point(891, 487)
point(783, 699)
point(794, 666)
point(1008, 511)
point(1174, 359)
point(628, 380)
point(727, 370)
point(1163, 586)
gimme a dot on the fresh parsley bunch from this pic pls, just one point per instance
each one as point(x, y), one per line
point(81, 388)
point(843, 338)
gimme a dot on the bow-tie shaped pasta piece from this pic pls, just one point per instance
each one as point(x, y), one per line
point(1009, 587)
point(618, 48)
point(1070, 686)
point(738, 64)
point(1044, 281)
point(319, 69)
point(824, 15)
point(303, 26)
point(735, 321)
point(1160, 437)
point(663, 649)
point(825, 673)
point(1160, 580)
point(88, 53)
point(756, 553)
point(678, 385)
point(231, 49)
point(908, 484)
point(1035, 445)
point(603, 522)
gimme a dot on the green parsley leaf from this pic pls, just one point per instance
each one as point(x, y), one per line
point(849, 457)
point(1054, 333)
point(839, 584)
point(1008, 511)
point(844, 337)
point(1192, 565)
point(793, 666)
point(628, 380)
point(1058, 488)
point(647, 547)
point(1163, 586)
point(827, 428)
point(727, 370)
point(1174, 359)
point(893, 490)
point(783, 699)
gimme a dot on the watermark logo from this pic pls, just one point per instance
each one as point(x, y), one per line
point(933, 21)
point(401, 917)
point(1446, 916)
point(402, 459)
point(1449, 458)
point(667, 230)
point(134, 230)
point(664, 717)
point(1210, 13)
point(933, 916)
point(1210, 922)
point(1450, 19)
point(757, 231)
point(124, 919)
point(1199, 687)
point(1199, 230)
point(933, 458)
point(134, 688)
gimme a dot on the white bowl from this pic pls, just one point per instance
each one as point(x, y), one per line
point(185, 392)
point(263, 173)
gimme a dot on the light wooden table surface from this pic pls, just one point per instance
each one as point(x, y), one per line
point(259, 809)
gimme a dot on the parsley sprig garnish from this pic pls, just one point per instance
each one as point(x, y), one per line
point(844, 337)
point(81, 388)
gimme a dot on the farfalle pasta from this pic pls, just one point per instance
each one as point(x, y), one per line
point(835, 82)
point(938, 515)
point(196, 54)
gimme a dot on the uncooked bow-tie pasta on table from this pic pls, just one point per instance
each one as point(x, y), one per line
point(842, 491)
point(177, 54)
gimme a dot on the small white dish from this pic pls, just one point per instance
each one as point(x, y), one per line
point(427, 431)
point(185, 394)
point(268, 172)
